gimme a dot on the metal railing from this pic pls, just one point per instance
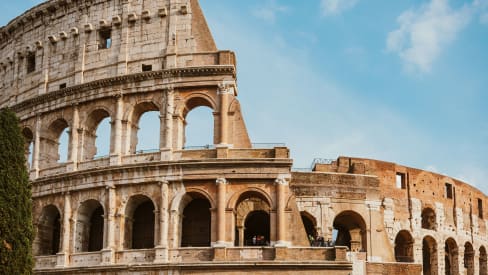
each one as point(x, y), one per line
point(101, 157)
point(147, 151)
point(203, 147)
point(321, 161)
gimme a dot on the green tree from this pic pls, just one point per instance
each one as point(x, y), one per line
point(16, 232)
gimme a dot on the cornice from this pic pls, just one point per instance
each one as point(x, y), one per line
point(107, 82)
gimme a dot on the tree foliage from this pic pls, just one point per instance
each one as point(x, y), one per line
point(16, 232)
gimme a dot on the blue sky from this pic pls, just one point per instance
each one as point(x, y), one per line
point(401, 81)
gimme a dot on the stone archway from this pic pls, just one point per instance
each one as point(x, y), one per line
point(257, 228)
point(89, 227)
point(469, 258)
point(139, 223)
point(309, 223)
point(252, 218)
point(404, 247)
point(196, 223)
point(351, 231)
point(483, 261)
point(48, 235)
point(429, 256)
point(451, 265)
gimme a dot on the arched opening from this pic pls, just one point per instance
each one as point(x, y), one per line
point(48, 232)
point(55, 144)
point(310, 225)
point(469, 258)
point(252, 220)
point(29, 146)
point(199, 128)
point(102, 140)
point(404, 247)
point(144, 128)
point(451, 257)
point(198, 125)
point(97, 135)
point(429, 256)
point(257, 231)
point(139, 223)
point(148, 133)
point(428, 219)
point(196, 222)
point(351, 231)
point(483, 261)
point(89, 227)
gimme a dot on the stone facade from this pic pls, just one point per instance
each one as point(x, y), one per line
point(231, 208)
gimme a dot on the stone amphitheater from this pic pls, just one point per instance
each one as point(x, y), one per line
point(230, 208)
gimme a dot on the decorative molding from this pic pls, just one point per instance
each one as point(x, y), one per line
point(107, 82)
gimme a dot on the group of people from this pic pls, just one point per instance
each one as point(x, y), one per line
point(318, 241)
point(259, 240)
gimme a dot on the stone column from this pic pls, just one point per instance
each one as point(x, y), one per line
point(63, 256)
point(221, 190)
point(224, 93)
point(162, 248)
point(281, 184)
point(166, 127)
point(115, 156)
point(35, 154)
point(108, 253)
point(74, 140)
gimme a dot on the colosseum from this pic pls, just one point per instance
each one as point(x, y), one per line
point(231, 208)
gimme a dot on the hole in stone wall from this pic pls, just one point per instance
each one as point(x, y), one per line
point(104, 39)
point(146, 68)
point(31, 62)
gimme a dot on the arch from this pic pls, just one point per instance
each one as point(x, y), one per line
point(89, 226)
point(29, 145)
point(351, 231)
point(483, 261)
point(196, 223)
point(199, 128)
point(139, 223)
point(428, 219)
point(252, 220)
point(181, 200)
point(310, 224)
point(91, 125)
point(429, 256)
point(257, 228)
point(134, 118)
point(196, 100)
point(404, 247)
point(48, 236)
point(469, 258)
point(250, 192)
point(451, 257)
point(55, 143)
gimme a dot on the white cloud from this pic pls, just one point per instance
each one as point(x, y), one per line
point(269, 11)
point(425, 32)
point(335, 7)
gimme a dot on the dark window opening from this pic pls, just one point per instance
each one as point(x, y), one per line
point(448, 190)
point(257, 230)
point(95, 239)
point(146, 68)
point(105, 39)
point(31, 62)
point(196, 224)
point(62, 86)
point(143, 226)
point(480, 208)
point(400, 181)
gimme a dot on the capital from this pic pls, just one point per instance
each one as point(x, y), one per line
point(221, 181)
point(163, 182)
point(281, 181)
